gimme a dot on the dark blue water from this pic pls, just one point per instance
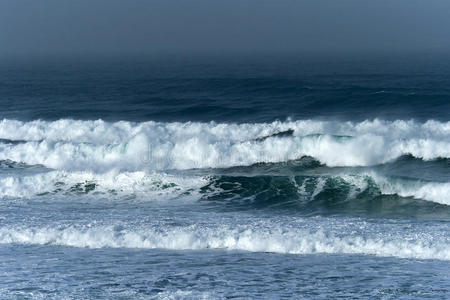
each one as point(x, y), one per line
point(244, 177)
point(227, 90)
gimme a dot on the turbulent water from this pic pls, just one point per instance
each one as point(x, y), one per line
point(206, 180)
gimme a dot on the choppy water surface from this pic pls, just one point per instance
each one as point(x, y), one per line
point(201, 180)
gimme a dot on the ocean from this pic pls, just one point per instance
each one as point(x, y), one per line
point(225, 177)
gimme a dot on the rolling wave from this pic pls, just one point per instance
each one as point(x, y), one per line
point(294, 162)
point(333, 189)
point(262, 236)
point(112, 184)
point(305, 193)
point(100, 146)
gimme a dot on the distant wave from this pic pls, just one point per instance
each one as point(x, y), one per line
point(100, 146)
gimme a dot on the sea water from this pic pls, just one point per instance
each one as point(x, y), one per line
point(168, 178)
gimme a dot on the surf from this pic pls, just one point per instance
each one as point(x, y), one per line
point(101, 146)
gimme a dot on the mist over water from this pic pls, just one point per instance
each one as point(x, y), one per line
point(138, 28)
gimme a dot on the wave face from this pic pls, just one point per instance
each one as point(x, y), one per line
point(100, 146)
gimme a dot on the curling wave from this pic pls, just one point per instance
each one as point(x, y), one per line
point(301, 190)
point(263, 190)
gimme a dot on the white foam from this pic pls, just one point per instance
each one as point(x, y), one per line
point(148, 185)
point(109, 154)
point(254, 238)
point(101, 146)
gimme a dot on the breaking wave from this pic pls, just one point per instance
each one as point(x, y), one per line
point(257, 237)
point(152, 160)
point(124, 184)
point(336, 188)
point(307, 169)
point(101, 146)
point(264, 190)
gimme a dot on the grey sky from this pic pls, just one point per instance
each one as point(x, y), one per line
point(45, 27)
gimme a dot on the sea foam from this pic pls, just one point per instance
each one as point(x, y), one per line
point(101, 146)
point(258, 237)
point(139, 184)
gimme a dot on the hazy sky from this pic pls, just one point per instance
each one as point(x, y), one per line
point(83, 27)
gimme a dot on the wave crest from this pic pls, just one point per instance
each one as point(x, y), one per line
point(101, 146)
point(254, 238)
